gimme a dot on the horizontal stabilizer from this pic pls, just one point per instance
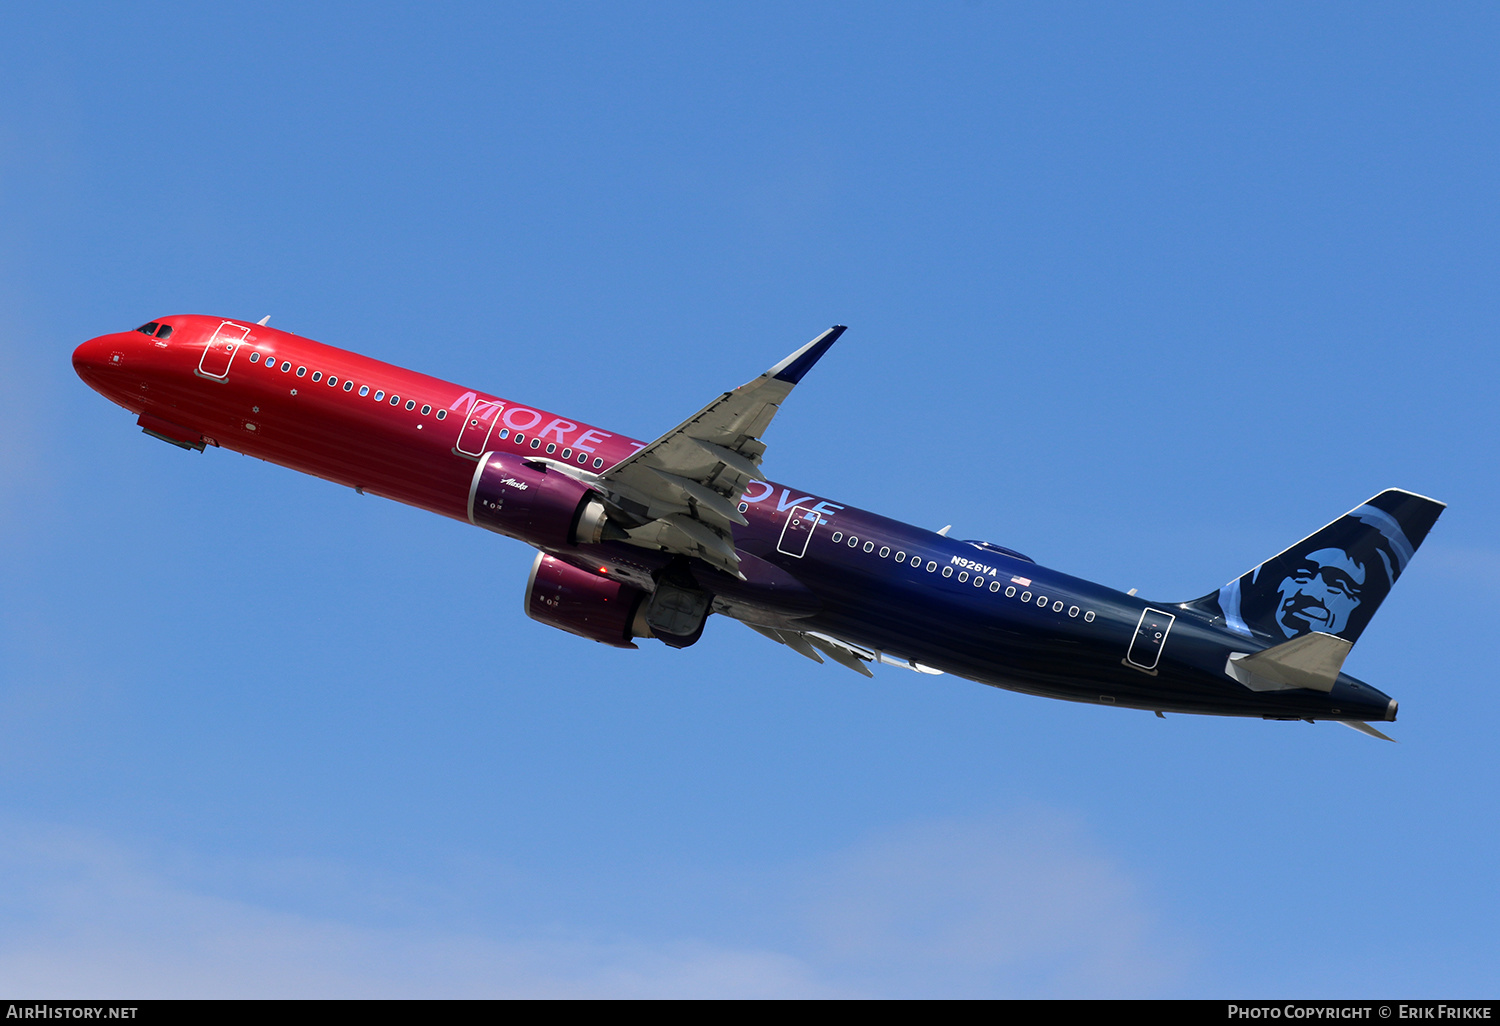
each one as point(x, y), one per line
point(1312, 661)
point(1365, 728)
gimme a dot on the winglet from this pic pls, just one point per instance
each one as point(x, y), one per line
point(792, 369)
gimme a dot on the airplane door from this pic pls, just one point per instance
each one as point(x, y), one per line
point(798, 531)
point(1150, 636)
point(477, 427)
point(219, 353)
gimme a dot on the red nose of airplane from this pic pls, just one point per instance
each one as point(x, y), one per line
point(97, 358)
point(91, 357)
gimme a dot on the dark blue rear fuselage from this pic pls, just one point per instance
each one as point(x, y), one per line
point(975, 611)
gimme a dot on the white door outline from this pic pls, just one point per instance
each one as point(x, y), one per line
point(1155, 642)
point(225, 336)
point(799, 518)
point(476, 416)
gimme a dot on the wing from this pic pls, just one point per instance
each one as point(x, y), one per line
point(855, 657)
point(681, 491)
point(810, 644)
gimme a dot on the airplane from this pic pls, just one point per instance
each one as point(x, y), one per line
point(639, 540)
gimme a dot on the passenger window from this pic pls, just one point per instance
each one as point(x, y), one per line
point(333, 382)
point(164, 332)
point(536, 443)
point(255, 358)
point(286, 365)
point(994, 586)
point(364, 390)
point(567, 454)
point(1042, 601)
point(1057, 606)
point(1072, 610)
point(1010, 592)
point(978, 581)
point(598, 462)
point(317, 376)
point(1025, 596)
point(963, 577)
point(395, 400)
point(884, 551)
point(427, 408)
point(931, 566)
point(301, 372)
point(520, 438)
point(379, 394)
point(838, 536)
point(853, 541)
point(551, 448)
point(1088, 617)
point(869, 546)
point(916, 560)
point(947, 571)
point(442, 414)
point(504, 432)
point(901, 557)
point(348, 386)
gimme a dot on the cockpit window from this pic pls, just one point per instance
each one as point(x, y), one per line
point(165, 331)
point(149, 328)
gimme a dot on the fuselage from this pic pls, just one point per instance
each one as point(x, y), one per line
point(809, 562)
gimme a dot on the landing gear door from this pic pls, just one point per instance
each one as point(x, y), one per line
point(219, 353)
point(1150, 636)
point(798, 531)
point(476, 430)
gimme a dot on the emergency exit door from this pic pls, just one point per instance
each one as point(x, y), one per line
point(798, 531)
point(1150, 638)
point(219, 353)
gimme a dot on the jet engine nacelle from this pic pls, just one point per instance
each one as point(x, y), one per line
point(524, 499)
point(583, 603)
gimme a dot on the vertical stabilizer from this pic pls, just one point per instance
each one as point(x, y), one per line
point(1332, 581)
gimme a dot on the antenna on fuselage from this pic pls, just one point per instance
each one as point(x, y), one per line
point(264, 320)
point(944, 532)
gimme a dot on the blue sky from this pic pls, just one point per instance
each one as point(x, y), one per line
point(1147, 292)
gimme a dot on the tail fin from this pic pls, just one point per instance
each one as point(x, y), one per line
point(1333, 580)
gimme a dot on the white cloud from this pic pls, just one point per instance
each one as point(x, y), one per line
point(1017, 905)
point(85, 919)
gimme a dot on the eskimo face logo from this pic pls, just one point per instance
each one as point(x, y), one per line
point(1319, 593)
point(1330, 583)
